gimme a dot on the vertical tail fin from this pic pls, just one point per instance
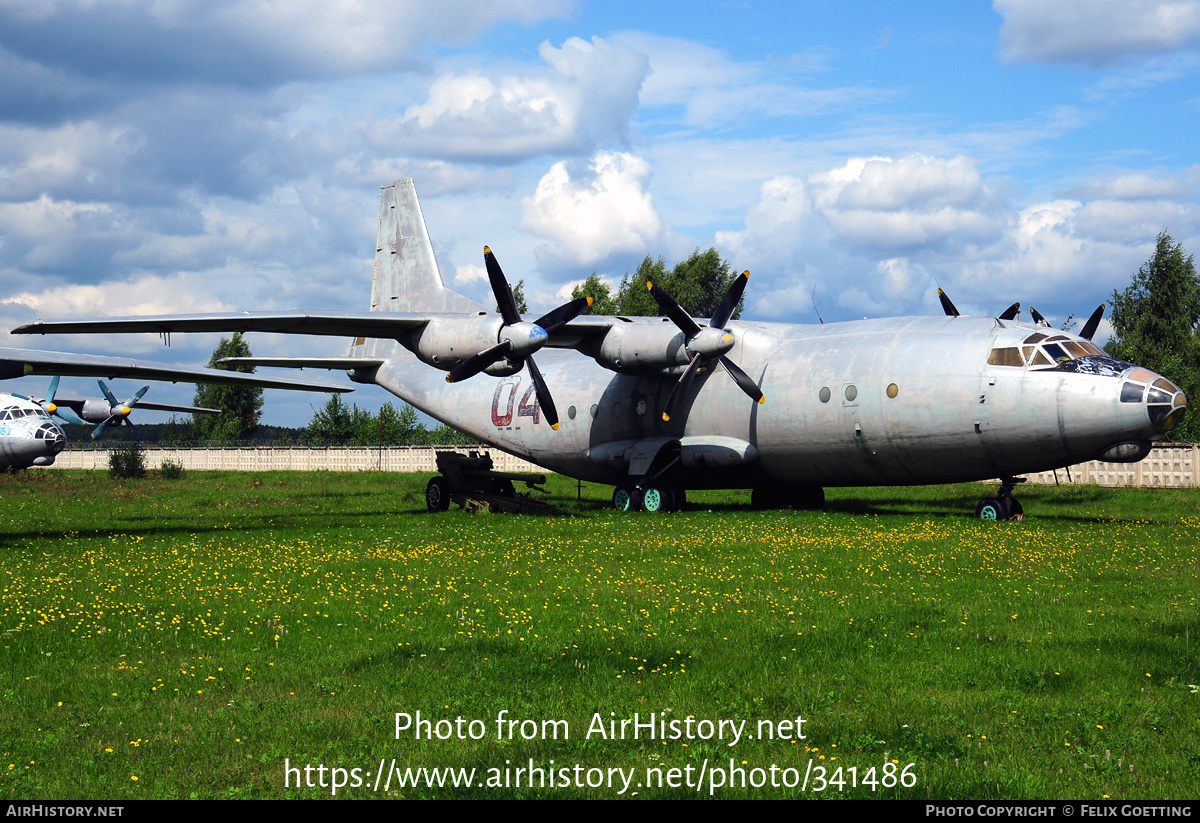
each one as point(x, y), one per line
point(406, 274)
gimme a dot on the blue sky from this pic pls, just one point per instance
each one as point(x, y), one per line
point(192, 155)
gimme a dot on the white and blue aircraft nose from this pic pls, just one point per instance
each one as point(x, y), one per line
point(52, 436)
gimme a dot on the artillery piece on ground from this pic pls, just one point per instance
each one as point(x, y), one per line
point(471, 481)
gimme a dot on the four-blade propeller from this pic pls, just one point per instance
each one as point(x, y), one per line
point(518, 340)
point(119, 413)
point(706, 344)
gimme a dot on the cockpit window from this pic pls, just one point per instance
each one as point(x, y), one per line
point(1036, 337)
point(1131, 393)
point(1056, 352)
point(1006, 357)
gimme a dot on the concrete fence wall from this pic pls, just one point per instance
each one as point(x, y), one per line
point(1169, 464)
point(282, 458)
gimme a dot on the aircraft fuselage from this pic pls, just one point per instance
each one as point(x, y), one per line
point(897, 401)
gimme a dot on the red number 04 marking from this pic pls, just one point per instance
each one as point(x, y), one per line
point(527, 409)
point(509, 384)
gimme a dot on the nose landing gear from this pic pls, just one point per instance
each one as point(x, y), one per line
point(1003, 506)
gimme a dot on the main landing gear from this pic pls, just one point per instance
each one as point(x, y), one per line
point(655, 496)
point(1003, 506)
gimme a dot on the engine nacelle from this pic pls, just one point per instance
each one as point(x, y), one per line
point(443, 343)
point(97, 410)
point(632, 347)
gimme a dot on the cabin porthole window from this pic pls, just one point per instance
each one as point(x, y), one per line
point(825, 394)
point(851, 393)
point(571, 411)
point(595, 411)
point(892, 390)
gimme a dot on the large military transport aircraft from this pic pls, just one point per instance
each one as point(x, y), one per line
point(902, 400)
point(30, 437)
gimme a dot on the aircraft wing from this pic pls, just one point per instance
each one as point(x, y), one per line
point(341, 363)
point(336, 324)
point(580, 329)
point(75, 404)
point(20, 362)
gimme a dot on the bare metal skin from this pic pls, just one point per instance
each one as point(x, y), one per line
point(905, 400)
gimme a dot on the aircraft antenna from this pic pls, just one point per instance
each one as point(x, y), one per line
point(813, 297)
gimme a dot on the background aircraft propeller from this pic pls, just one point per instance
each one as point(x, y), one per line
point(62, 412)
point(518, 339)
point(119, 413)
point(706, 344)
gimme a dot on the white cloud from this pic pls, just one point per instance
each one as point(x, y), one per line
point(1096, 32)
point(579, 101)
point(1139, 186)
point(779, 227)
point(840, 230)
point(175, 294)
point(915, 201)
point(601, 214)
point(713, 89)
point(249, 39)
point(470, 273)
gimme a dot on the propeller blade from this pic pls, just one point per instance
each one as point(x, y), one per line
point(947, 305)
point(100, 429)
point(1089, 328)
point(743, 380)
point(112, 401)
point(563, 314)
point(136, 434)
point(53, 390)
point(1037, 317)
point(138, 396)
point(729, 302)
point(681, 388)
point(68, 415)
point(474, 365)
point(674, 311)
point(543, 394)
point(1012, 312)
point(500, 288)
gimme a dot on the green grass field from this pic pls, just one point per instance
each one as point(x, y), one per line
point(176, 639)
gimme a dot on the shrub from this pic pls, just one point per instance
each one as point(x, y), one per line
point(171, 470)
point(126, 462)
